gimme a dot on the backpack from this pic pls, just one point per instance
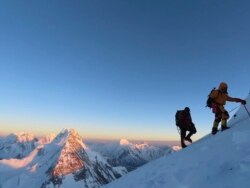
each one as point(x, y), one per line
point(209, 99)
point(177, 117)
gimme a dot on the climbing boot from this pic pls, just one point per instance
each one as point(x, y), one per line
point(214, 130)
point(224, 128)
point(183, 145)
point(188, 139)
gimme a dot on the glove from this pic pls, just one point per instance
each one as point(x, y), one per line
point(243, 102)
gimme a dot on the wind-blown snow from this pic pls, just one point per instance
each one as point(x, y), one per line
point(215, 161)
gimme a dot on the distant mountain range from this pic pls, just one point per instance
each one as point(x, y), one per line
point(64, 160)
point(130, 155)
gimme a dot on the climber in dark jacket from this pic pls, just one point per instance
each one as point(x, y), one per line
point(185, 123)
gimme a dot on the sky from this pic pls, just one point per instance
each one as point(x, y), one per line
point(119, 69)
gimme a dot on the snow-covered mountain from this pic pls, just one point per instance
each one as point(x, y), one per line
point(130, 155)
point(17, 145)
point(215, 161)
point(65, 162)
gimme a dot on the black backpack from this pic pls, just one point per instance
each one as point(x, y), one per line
point(177, 117)
point(209, 99)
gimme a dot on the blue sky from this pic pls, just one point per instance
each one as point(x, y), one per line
point(119, 69)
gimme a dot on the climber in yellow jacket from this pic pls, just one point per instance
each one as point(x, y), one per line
point(219, 97)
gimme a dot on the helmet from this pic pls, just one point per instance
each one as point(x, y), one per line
point(187, 109)
point(223, 87)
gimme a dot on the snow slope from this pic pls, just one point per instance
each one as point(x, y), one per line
point(215, 161)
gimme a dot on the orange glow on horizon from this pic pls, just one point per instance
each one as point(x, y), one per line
point(90, 132)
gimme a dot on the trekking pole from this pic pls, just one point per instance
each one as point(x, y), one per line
point(246, 110)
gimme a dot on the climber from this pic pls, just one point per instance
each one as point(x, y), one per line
point(184, 122)
point(218, 98)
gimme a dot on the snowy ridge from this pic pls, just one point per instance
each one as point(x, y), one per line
point(221, 160)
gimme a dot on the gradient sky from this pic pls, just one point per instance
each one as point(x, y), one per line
point(119, 68)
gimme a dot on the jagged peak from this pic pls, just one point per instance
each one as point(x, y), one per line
point(67, 135)
point(68, 132)
point(124, 142)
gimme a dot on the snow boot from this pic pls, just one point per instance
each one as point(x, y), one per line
point(224, 128)
point(189, 139)
point(214, 130)
point(224, 125)
point(183, 145)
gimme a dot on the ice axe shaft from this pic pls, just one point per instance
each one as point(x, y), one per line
point(246, 110)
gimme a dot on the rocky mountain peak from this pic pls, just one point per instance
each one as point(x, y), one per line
point(73, 155)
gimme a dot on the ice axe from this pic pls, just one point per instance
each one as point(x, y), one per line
point(246, 110)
